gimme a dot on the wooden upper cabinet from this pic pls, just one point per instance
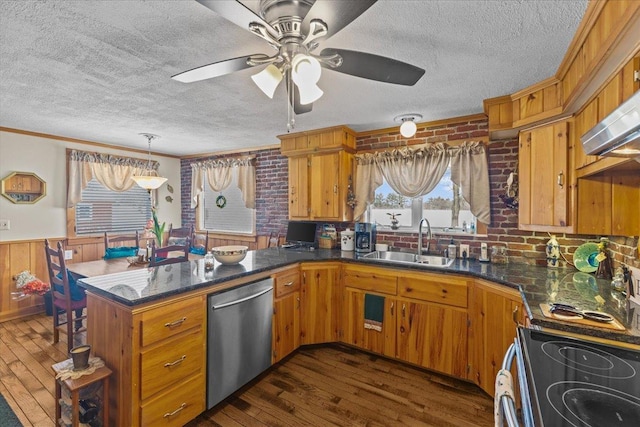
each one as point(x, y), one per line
point(545, 178)
point(585, 120)
point(334, 138)
point(298, 187)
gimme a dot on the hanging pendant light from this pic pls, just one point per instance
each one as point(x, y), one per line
point(408, 127)
point(151, 180)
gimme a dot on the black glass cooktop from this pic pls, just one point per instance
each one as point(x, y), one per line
point(578, 383)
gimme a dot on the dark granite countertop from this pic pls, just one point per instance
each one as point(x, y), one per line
point(538, 285)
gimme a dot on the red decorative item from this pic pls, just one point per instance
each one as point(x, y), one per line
point(35, 287)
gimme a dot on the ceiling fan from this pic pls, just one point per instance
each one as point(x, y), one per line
point(293, 28)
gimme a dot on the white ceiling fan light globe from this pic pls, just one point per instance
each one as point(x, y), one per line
point(305, 73)
point(268, 79)
point(408, 128)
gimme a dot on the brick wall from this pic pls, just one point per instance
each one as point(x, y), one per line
point(523, 246)
point(272, 205)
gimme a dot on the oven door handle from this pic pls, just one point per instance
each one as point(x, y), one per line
point(505, 405)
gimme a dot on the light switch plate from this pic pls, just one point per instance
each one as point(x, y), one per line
point(635, 283)
point(5, 224)
point(68, 254)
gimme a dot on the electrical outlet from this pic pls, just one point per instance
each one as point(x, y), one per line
point(464, 249)
point(68, 254)
point(5, 224)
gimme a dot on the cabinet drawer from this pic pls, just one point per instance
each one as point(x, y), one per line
point(164, 322)
point(171, 363)
point(441, 289)
point(177, 406)
point(370, 279)
point(287, 282)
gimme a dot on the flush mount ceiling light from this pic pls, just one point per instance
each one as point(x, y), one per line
point(151, 180)
point(294, 29)
point(408, 127)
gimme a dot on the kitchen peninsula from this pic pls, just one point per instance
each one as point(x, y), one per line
point(142, 320)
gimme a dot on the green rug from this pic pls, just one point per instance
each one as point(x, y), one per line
point(7, 417)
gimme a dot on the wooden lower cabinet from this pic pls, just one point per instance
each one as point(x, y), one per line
point(157, 353)
point(433, 336)
point(368, 339)
point(320, 302)
point(286, 314)
point(495, 313)
point(425, 316)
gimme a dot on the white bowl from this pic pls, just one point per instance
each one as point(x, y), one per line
point(229, 254)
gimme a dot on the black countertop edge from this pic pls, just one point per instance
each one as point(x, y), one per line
point(533, 282)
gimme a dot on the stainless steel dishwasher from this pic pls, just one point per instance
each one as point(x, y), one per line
point(239, 338)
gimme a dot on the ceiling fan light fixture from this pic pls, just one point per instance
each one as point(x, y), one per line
point(268, 79)
point(408, 127)
point(150, 181)
point(305, 73)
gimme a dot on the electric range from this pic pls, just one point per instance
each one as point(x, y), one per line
point(572, 382)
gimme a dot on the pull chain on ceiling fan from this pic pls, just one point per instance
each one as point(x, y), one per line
point(293, 28)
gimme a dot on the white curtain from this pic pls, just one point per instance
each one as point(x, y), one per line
point(414, 172)
point(113, 172)
point(218, 176)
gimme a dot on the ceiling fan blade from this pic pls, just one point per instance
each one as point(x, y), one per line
point(216, 69)
point(336, 14)
point(237, 13)
point(374, 67)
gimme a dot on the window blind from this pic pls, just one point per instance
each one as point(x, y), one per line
point(234, 217)
point(114, 212)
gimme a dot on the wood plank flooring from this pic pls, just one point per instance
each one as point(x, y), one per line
point(332, 385)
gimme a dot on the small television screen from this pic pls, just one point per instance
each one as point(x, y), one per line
point(300, 232)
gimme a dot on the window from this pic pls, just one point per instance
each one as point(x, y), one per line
point(444, 207)
point(233, 217)
point(114, 212)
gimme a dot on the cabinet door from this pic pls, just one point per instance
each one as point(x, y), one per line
point(298, 188)
point(325, 186)
point(286, 325)
point(433, 336)
point(544, 178)
point(319, 308)
point(495, 315)
point(383, 342)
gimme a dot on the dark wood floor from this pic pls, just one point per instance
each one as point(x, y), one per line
point(330, 385)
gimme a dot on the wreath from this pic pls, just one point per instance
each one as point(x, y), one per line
point(221, 201)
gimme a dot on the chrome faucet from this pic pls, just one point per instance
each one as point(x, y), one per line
point(420, 236)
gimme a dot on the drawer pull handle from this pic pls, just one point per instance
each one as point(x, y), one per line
point(289, 283)
point(171, 414)
point(174, 363)
point(175, 323)
point(392, 309)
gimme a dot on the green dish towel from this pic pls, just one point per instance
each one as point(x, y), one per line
point(373, 312)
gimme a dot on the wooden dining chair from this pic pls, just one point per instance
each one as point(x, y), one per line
point(114, 246)
point(163, 256)
point(67, 297)
point(183, 232)
point(199, 243)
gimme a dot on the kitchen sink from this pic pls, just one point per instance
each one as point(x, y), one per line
point(408, 258)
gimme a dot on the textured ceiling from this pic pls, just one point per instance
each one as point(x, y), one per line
point(100, 70)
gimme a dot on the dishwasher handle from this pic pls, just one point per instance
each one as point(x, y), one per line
point(238, 301)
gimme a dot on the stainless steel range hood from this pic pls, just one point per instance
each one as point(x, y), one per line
point(618, 134)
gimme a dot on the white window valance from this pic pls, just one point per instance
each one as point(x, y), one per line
point(113, 172)
point(218, 175)
point(414, 172)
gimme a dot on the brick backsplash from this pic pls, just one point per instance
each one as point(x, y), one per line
point(523, 246)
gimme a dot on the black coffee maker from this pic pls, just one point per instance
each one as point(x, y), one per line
point(365, 236)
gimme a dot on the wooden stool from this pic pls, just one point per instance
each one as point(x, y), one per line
point(74, 386)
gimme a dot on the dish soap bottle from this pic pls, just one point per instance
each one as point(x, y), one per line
point(451, 249)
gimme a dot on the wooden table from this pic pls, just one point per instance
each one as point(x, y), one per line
point(74, 386)
point(101, 267)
